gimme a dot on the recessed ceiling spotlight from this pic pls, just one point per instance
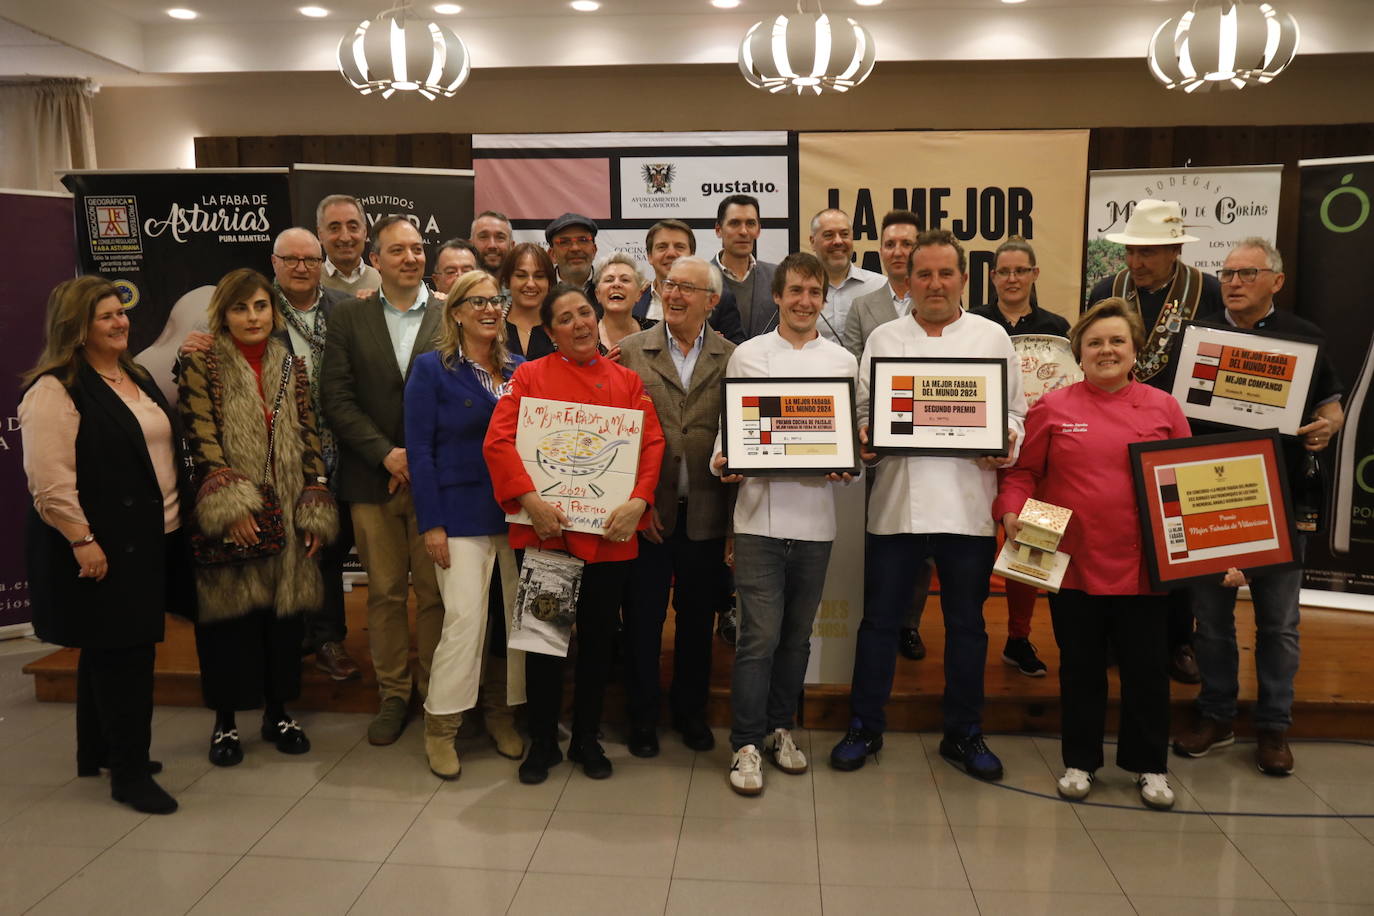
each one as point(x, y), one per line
point(314, 12)
point(868, 2)
point(585, 6)
point(1013, 1)
point(725, 4)
point(447, 9)
point(179, 13)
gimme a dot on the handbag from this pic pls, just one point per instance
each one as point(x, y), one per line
point(208, 551)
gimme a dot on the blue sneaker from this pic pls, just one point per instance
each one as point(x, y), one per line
point(855, 746)
point(973, 755)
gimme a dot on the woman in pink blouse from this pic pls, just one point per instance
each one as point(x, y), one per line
point(1075, 455)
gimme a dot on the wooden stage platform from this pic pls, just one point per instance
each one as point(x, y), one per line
point(1335, 686)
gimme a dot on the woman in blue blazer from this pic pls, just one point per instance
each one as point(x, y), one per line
point(449, 399)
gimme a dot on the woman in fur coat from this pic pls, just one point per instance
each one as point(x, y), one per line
point(250, 627)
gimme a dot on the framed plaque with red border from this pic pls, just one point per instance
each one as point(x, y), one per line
point(1210, 503)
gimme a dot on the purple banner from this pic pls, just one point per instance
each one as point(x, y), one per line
point(36, 236)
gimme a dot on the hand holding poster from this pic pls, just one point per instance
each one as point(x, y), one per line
point(582, 458)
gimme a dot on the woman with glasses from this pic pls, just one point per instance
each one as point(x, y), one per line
point(1013, 276)
point(527, 273)
point(618, 285)
point(449, 399)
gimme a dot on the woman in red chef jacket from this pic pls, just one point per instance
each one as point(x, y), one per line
point(575, 372)
point(1075, 455)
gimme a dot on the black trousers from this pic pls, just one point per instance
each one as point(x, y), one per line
point(597, 604)
point(1136, 628)
point(328, 624)
point(114, 710)
point(696, 573)
point(1180, 618)
point(250, 660)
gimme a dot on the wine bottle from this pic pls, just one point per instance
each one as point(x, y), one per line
point(1352, 522)
point(1307, 495)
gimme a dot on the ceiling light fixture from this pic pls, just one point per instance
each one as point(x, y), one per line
point(447, 9)
point(393, 52)
point(314, 12)
point(585, 6)
point(807, 51)
point(179, 13)
point(868, 2)
point(725, 4)
point(1223, 44)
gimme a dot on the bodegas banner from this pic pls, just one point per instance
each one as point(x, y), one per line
point(626, 182)
point(1335, 238)
point(166, 238)
point(1221, 206)
point(438, 202)
point(34, 236)
point(983, 186)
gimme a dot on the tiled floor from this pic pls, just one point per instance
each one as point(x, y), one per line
point(357, 829)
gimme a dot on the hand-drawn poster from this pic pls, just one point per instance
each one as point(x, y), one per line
point(582, 458)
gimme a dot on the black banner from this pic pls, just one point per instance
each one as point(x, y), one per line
point(166, 238)
point(1336, 235)
point(438, 202)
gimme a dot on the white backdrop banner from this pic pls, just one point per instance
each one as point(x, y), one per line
point(1221, 206)
point(626, 182)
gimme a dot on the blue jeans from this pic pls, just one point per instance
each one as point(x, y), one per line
point(778, 585)
point(1275, 597)
point(964, 563)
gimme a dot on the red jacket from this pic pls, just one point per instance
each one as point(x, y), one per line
point(597, 382)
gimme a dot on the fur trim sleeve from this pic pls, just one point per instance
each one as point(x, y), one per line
point(225, 497)
point(317, 513)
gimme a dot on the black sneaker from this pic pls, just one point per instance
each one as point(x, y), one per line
point(1020, 652)
point(853, 750)
point(910, 645)
point(590, 754)
point(972, 755)
point(542, 755)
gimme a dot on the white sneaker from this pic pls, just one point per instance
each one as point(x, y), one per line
point(746, 777)
point(1155, 791)
point(1075, 783)
point(785, 754)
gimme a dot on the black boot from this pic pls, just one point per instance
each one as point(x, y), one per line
point(144, 795)
point(544, 753)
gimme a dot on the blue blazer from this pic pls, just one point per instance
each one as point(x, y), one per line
point(446, 417)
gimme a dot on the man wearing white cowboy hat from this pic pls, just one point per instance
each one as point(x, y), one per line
point(1164, 290)
point(1167, 293)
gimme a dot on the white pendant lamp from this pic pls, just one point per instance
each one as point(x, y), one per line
point(1223, 44)
point(812, 52)
point(394, 52)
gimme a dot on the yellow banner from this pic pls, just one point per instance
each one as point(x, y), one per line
point(983, 186)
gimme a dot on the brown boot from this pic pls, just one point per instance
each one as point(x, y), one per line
point(1205, 735)
point(1272, 755)
point(440, 733)
point(498, 717)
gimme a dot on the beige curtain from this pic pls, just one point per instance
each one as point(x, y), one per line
point(45, 127)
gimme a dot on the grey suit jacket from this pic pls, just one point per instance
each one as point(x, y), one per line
point(867, 312)
point(364, 392)
point(689, 419)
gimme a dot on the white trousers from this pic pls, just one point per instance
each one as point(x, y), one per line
point(457, 668)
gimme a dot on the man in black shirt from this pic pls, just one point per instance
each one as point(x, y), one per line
point(1252, 273)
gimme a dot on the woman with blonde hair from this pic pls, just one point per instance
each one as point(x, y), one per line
point(106, 553)
point(450, 396)
point(253, 441)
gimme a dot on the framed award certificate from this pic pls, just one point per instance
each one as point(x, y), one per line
point(952, 408)
point(1212, 502)
point(1245, 378)
point(788, 426)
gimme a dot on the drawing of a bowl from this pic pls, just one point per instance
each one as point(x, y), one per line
point(576, 453)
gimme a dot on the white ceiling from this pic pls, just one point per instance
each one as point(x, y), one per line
point(121, 42)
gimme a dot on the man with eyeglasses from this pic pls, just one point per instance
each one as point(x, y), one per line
point(572, 247)
point(342, 228)
point(683, 550)
point(832, 240)
point(1250, 276)
point(454, 258)
point(491, 234)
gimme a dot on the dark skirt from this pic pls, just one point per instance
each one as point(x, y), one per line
point(250, 660)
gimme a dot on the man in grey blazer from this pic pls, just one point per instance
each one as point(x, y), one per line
point(747, 278)
point(370, 347)
point(682, 363)
point(893, 299)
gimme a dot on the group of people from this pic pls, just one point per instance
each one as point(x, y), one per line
point(344, 401)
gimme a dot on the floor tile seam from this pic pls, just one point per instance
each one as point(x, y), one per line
point(63, 882)
point(52, 790)
point(373, 877)
point(1111, 871)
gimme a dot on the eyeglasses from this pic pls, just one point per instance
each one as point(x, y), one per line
point(485, 302)
point(687, 288)
point(1246, 274)
point(1003, 273)
point(293, 262)
point(567, 241)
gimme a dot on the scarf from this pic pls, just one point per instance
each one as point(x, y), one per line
point(314, 335)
